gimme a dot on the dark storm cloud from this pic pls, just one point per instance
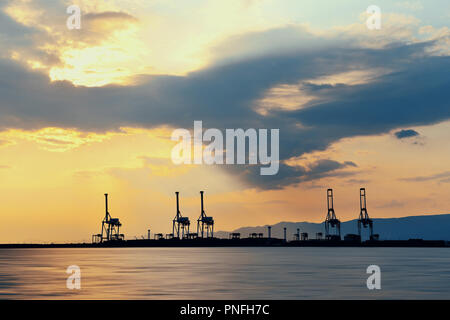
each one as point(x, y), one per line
point(403, 134)
point(292, 175)
point(225, 95)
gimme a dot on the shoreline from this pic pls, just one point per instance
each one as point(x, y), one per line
point(215, 242)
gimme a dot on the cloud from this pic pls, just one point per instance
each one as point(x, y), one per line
point(402, 134)
point(411, 5)
point(357, 181)
point(443, 177)
point(87, 174)
point(391, 204)
point(109, 15)
point(226, 95)
point(107, 49)
point(289, 175)
point(53, 139)
point(101, 25)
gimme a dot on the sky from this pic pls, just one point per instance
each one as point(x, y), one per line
point(91, 110)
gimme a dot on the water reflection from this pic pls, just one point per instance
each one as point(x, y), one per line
point(224, 273)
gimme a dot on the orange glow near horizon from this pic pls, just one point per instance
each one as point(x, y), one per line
point(54, 193)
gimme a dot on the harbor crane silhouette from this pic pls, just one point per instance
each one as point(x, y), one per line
point(364, 220)
point(207, 223)
point(332, 224)
point(180, 224)
point(110, 227)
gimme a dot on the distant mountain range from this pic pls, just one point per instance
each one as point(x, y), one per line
point(429, 227)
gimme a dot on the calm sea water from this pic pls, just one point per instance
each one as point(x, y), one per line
point(225, 273)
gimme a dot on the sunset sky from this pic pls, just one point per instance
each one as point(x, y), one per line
point(89, 111)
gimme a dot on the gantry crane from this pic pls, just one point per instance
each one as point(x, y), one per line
point(180, 224)
point(205, 221)
point(110, 227)
point(364, 219)
point(332, 224)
